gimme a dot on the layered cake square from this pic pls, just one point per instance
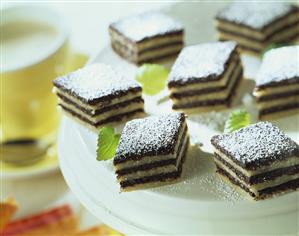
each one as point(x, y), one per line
point(151, 151)
point(277, 83)
point(97, 95)
point(205, 77)
point(255, 25)
point(146, 37)
point(258, 159)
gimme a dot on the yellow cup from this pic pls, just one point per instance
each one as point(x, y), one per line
point(28, 106)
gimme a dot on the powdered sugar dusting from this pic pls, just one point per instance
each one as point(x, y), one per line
point(95, 81)
point(254, 14)
point(279, 65)
point(261, 143)
point(201, 61)
point(200, 177)
point(146, 25)
point(153, 135)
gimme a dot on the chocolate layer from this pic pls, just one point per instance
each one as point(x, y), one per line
point(107, 98)
point(290, 185)
point(234, 181)
point(141, 51)
point(205, 90)
point(139, 62)
point(248, 147)
point(226, 101)
point(275, 96)
point(263, 177)
point(160, 177)
point(111, 119)
point(264, 193)
point(267, 38)
point(153, 164)
point(146, 39)
point(211, 77)
point(278, 109)
point(258, 51)
point(290, 81)
point(294, 10)
point(102, 110)
point(146, 167)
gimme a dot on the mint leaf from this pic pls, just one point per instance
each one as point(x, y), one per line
point(152, 78)
point(236, 120)
point(107, 143)
point(272, 46)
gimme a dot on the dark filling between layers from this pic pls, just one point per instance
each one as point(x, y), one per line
point(103, 100)
point(259, 162)
point(279, 31)
point(181, 82)
point(277, 109)
point(262, 177)
point(264, 193)
point(214, 102)
point(257, 50)
point(290, 185)
point(111, 119)
point(289, 81)
point(153, 59)
point(190, 93)
point(101, 110)
point(140, 52)
point(234, 181)
point(275, 96)
point(158, 36)
point(148, 166)
point(160, 177)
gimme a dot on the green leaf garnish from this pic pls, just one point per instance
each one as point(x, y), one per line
point(152, 78)
point(236, 120)
point(107, 143)
point(272, 46)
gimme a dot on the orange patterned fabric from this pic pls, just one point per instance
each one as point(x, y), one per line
point(7, 210)
point(59, 221)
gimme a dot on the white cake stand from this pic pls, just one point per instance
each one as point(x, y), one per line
point(201, 203)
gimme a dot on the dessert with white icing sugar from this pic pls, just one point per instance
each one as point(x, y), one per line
point(146, 37)
point(255, 25)
point(259, 159)
point(205, 77)
point(151, 151)
point(277, 83)
point(97, 95)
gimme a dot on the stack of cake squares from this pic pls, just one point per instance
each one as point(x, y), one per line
point(146, 37)
point(256, 25)
point(151, 151)
point(97, 95)
point(277, 83)
point(259, 159)
point(205, 77)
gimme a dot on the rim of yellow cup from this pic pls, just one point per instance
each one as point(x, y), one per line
point(43, 14)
